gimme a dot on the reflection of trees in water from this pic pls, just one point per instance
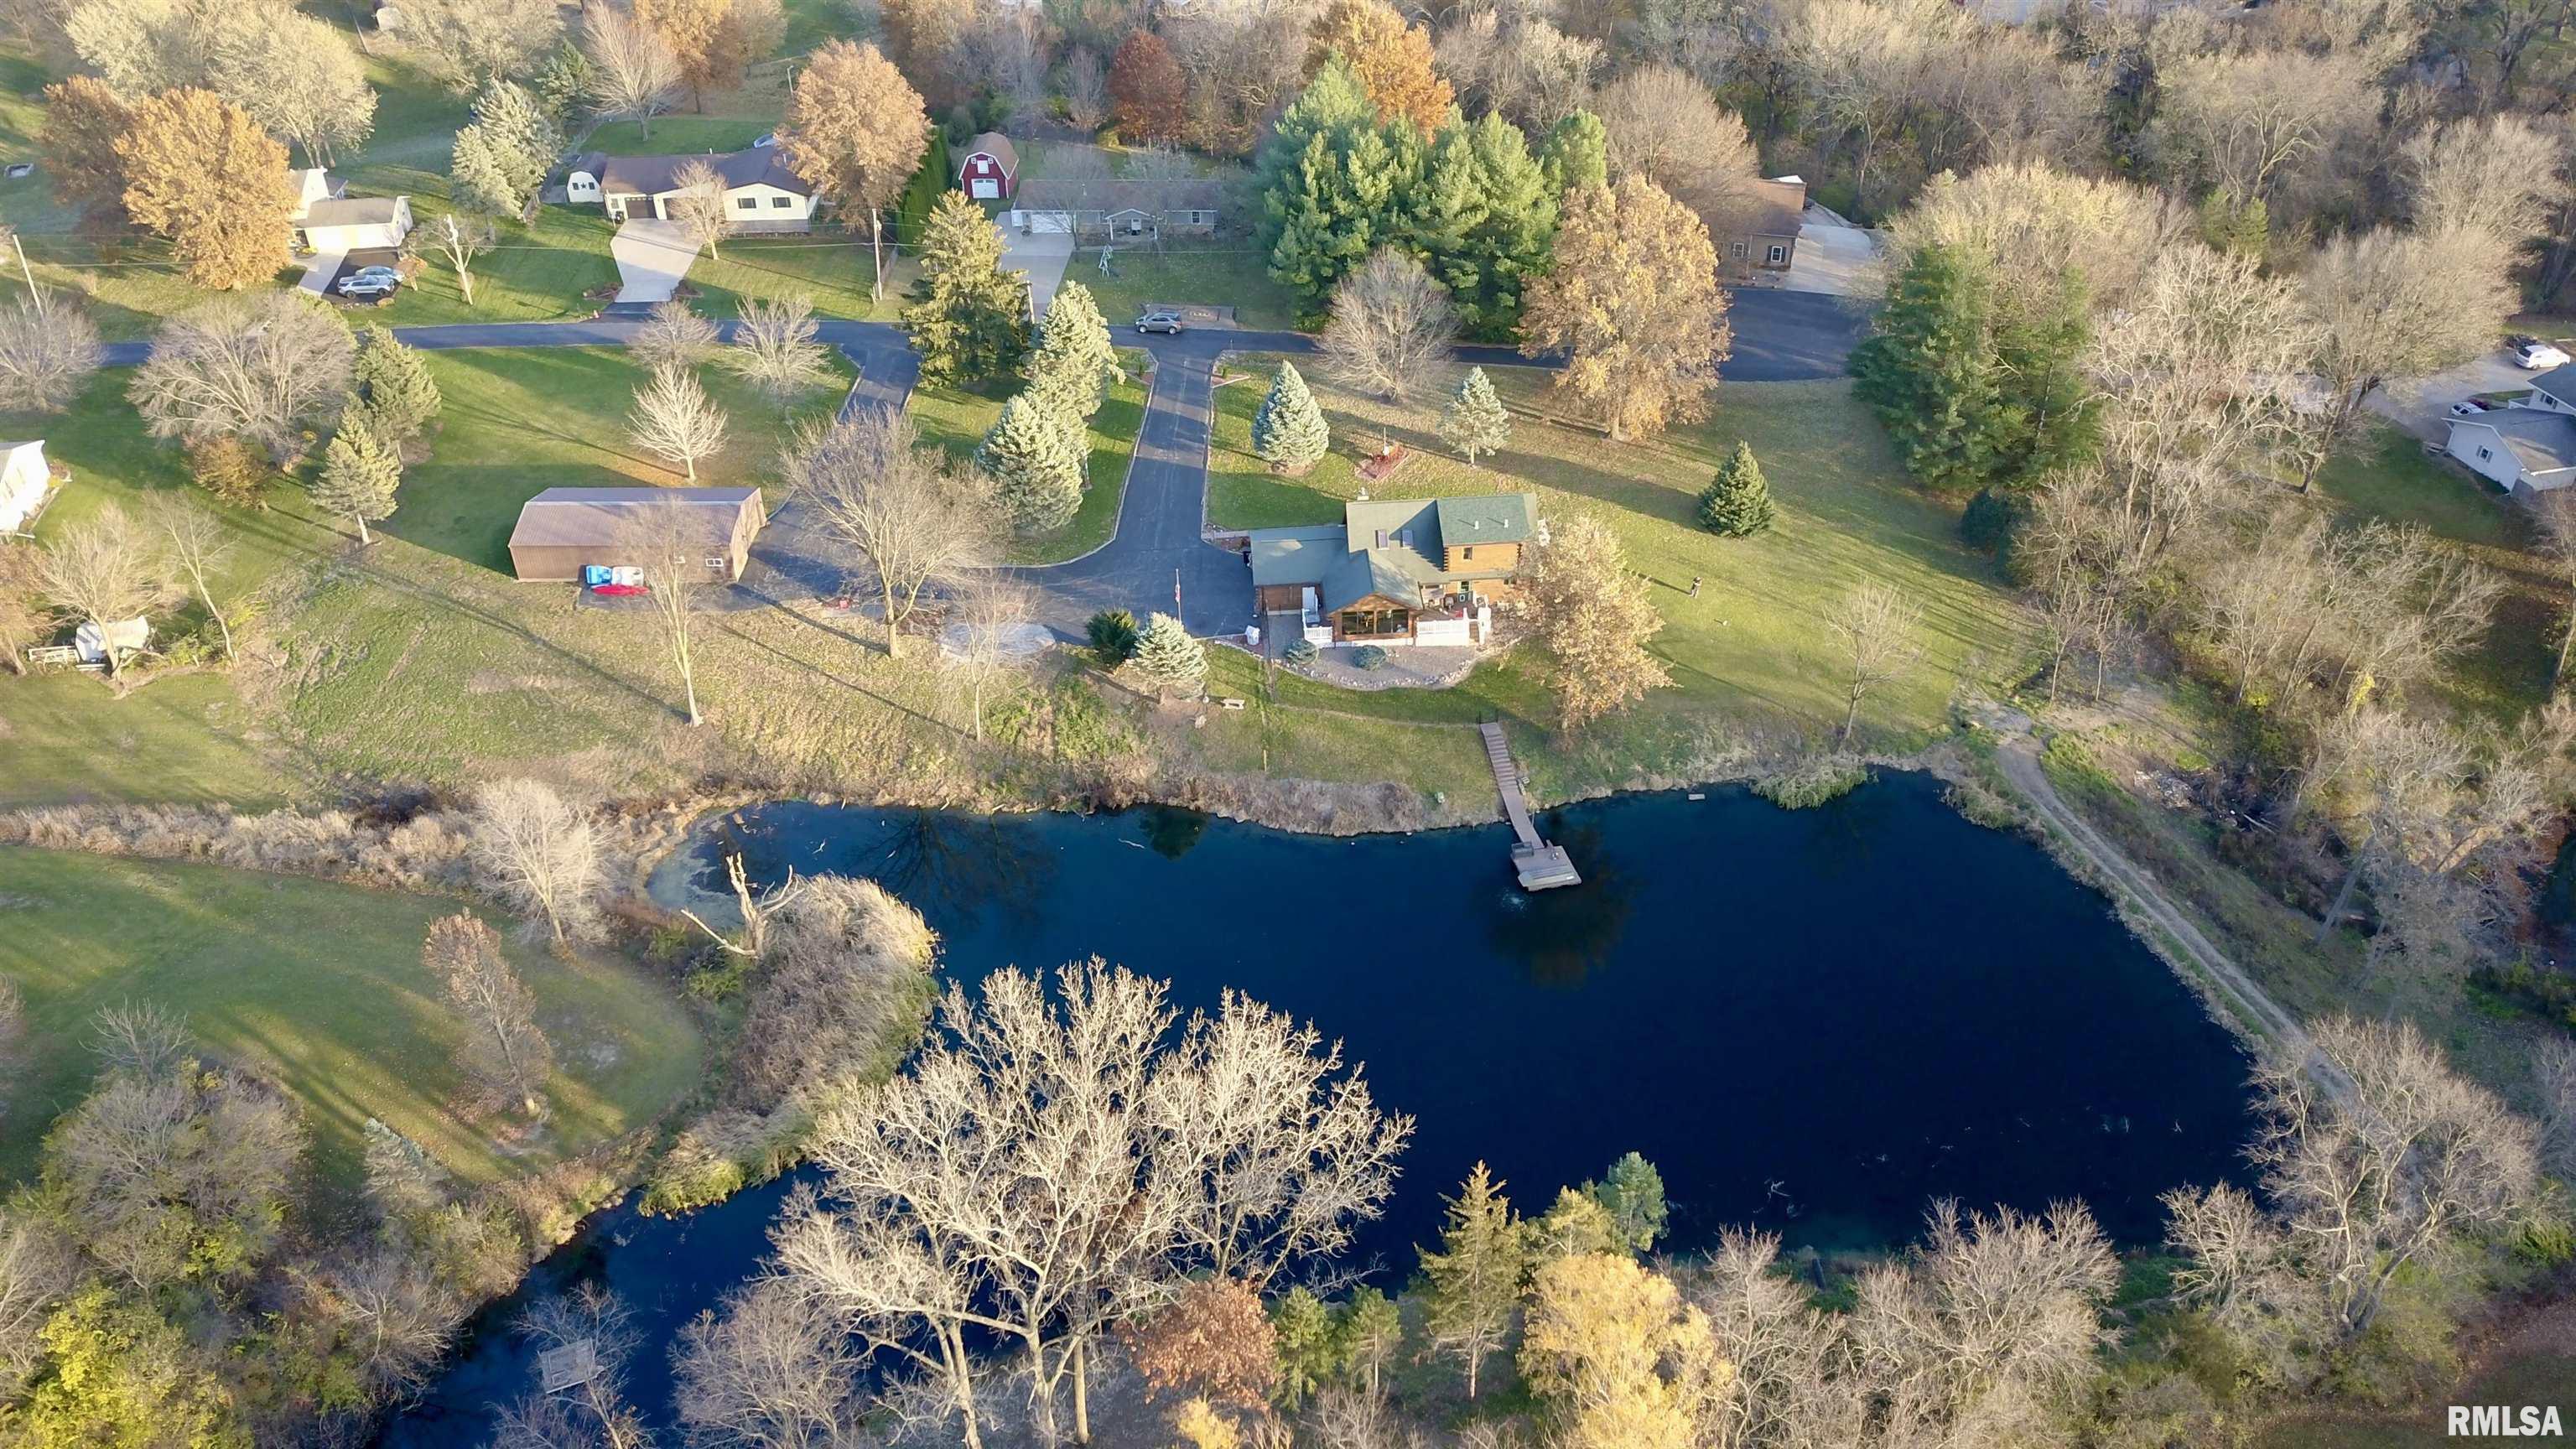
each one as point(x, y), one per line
point(1171, 831)
point(937, 860)
point(1561, 936)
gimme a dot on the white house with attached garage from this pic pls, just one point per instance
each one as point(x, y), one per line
point(2527, 446)
point(761, 193)
point(327, 219)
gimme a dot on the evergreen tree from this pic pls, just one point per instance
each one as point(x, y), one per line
point(1074, 363)
point(1372, 1329)
point(1928, 371)
point(1576, 153)
point(1336, 184)
point(1166, 654)
point(394, 387)
point(1037, 458)
point(1289, 432)
point(1472, 1286)
point(1475, 421)
point(1516, 234)
point(1310, 1350)
point(1737, 502)
point(478, 178)
point(1632, 1192)
point(1575, 1225)
point(2045, 416)
point(969, 319)
point(360, 472)
point(1113, 636)
point(2239, 230)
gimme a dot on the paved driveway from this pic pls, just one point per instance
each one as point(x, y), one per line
point(652, 256)
point(2422, 406)
point(1833, 259)
point(1043, 256)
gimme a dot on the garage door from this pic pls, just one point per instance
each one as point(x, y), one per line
point(986, 189)
point(1052, 222)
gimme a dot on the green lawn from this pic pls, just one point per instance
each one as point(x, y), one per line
point(186, 740)
point(518, 421)
point(675, 135)
point(957, 418)
point(1747, 656)
point(832, 271)
point(1226, 273)
point(321, 985)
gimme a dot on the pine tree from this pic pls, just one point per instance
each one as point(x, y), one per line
point(1289, 432)
point(394, 387)
point(1336, 184)
point(1074, 363)
point(1737, 502)
point(522, 135)
point(1632, 1192)
point(1473, 1284)
point(478, 178)
point(360, 472)
point(1310, 1353)
point(1576, 153)
point(969, 319)
point(1517, 234)
point(1166, 654)
point(1037, 458)
point(1928, 371)
point(1475, 421)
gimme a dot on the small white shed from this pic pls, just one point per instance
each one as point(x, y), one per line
point(122, 635)
point(26, 483)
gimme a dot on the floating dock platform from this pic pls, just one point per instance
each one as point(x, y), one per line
point(1541, 866)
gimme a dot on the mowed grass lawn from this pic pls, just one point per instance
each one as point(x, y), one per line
point(320, 985)
point(1749, 656)
point(1221, 274)
point(518, 421)
point(957, 418)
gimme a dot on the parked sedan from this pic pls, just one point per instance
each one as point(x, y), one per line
point(2467, 407)
point(2534, 355)
point(1164, 322)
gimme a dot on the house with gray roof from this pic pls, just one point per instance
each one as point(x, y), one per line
point(761, 193)
point(2523, 450)
point(1395, 571)
point(1118, 207)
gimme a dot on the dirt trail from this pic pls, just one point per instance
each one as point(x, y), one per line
point(2235, 992)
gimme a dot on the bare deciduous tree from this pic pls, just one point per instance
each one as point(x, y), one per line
point(1664, 125)
point(671, 541)
point(1786, 1389)
point(37, 1268)
point(1390, 330)
point(1083, 82)
point(2499, 175)
point(2392, 306)
point(2243, 1273)
point(461, 239)
point(395, 1318)
point(987, 636)
point(774, 349)
point(593, 1414)
point(196, 546)
point(633, 73)
point(777, 1370)
point(1879, 632)
point(47, 357)
point(104, 571)
point(909, 518)
point(2251, 124)
point(259, 368)
point(538, 853)
point(2371, 1180)
point(26, 609)
point(469, 41)
point(698, 206)
point(2556, 512)
point(672, 336)
point(502, 1047)
point(675, 420)
point(758, 909)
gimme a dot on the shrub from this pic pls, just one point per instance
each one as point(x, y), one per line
point(1369, 656)
point(1991, 520)
point(1113, 636)
point(1812, 782)
point(1300, 652)
point(229, 468)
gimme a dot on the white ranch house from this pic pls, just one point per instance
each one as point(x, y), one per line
point(2528, 446)
point(761, 193)
point(1117, 209)
point(328, 220)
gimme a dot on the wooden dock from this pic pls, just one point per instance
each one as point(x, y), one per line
point(1540, 865)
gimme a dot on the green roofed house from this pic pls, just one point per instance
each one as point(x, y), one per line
point(1394, 571)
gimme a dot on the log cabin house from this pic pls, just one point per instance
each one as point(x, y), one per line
point(1394, 571)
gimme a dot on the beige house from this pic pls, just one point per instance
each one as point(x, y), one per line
point(761, 194)
point(1762, 234)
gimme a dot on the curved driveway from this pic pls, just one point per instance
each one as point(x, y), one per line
point(1779, 337)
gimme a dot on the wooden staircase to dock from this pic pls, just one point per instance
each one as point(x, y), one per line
point(1541, 866)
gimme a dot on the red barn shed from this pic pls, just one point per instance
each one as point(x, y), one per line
point(990, 168)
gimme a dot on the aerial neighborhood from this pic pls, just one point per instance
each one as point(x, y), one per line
point(1677, 724)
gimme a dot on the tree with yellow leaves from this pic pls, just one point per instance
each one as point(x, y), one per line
point(201, 172)
point(1620, 1362)
point(713, 40)
point(1634, 305)
point(1391, 59)
point(1594, 619)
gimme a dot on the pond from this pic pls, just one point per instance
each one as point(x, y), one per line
point(1812, 1022)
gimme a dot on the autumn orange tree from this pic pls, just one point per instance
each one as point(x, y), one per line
point(855, 132)
point(1391, 59)
point(84, 116)
point(713, 40)
point(1634, 305)
point(927, 38)
point(1148, 95)
point(200, 171)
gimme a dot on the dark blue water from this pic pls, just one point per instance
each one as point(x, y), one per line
point(1812, 1021)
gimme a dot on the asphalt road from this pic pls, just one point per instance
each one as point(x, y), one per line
point(1778, 337)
